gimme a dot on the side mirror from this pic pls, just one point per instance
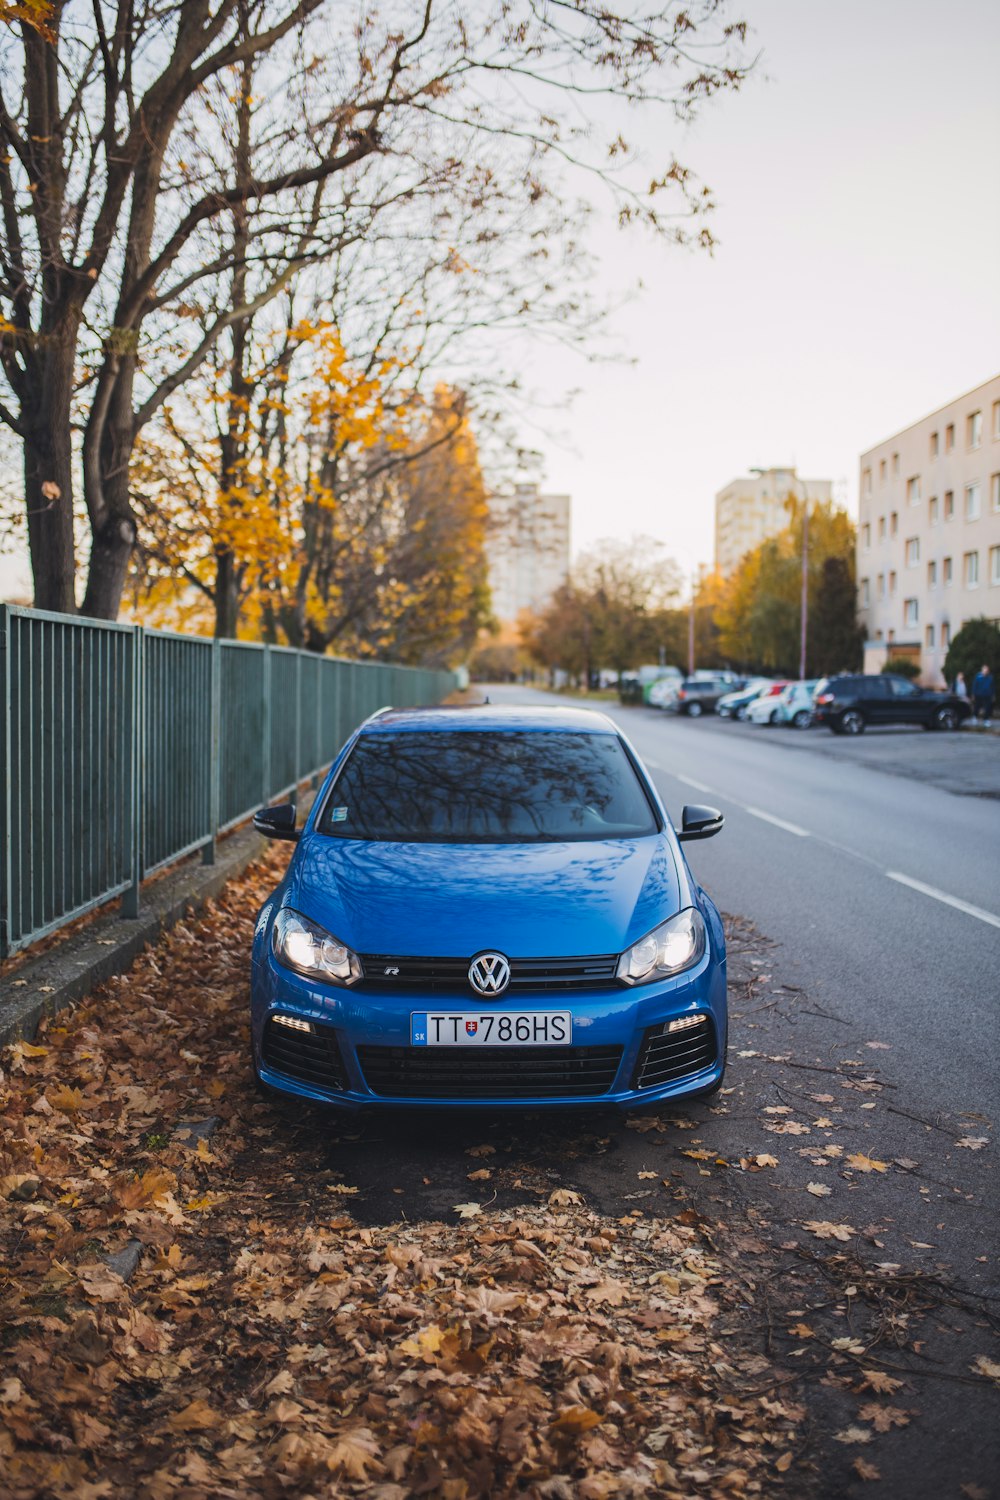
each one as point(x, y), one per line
point(699, 823)
point(277, 822)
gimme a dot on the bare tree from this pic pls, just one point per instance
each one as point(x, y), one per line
point(113, 183)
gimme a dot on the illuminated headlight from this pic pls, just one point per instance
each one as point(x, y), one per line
point(669, 949)
point(294, 1023)
point(684, 1023)
point(309, 949)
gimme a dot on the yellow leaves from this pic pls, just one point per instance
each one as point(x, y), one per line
point(153, 1187)
point(468, 1210)
point(68, 1100)
point(205, 1203)
point(818, 1189)
point(426, 1345)
point(197, 1416)
point(354, 1454)
point(563, 1198)
point(862, 1163)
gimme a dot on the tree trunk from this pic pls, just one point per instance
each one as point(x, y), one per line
point(226, 595)
point(48, 468)
point(106, 482)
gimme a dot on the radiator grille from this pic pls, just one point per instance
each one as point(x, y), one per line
point(490, 1072)
point(442, 975)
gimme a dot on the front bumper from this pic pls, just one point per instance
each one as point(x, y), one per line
point(359, 1055)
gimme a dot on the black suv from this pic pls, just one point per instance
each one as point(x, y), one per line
point(848, 704)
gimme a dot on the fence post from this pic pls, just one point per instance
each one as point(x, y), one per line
point(6, 870)
point(266, 689)
point(137, 717)
point(214, 755)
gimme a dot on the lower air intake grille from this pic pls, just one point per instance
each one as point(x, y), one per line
point(489, 1072)
point(666, 1056)
point(310, 1056)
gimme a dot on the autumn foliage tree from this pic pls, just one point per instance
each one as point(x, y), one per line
point(168, 168)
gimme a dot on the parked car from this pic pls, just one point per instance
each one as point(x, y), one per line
point(663, 694)
point(848, 703)
point(488, 907)
point(635, 687)
point(734, 705)
point(764, 708)
point(699, 695)
point(793, 704)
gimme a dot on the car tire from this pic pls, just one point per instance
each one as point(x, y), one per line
point(852, 722)
point(802, 719)
point(946, 718)
point(694, 710)
point(741, 713)
point(774, 718)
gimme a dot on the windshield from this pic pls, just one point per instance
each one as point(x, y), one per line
point(487, 788)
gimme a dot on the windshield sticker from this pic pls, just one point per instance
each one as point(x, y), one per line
point(338, 815)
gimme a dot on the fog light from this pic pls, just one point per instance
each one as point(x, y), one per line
point(683, 1022)
point(293, 1023)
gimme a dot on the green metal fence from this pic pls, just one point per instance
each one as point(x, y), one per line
point(123, 749)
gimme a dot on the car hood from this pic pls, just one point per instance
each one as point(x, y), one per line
point(453, 900)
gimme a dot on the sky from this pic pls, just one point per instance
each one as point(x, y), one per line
point(855, 287)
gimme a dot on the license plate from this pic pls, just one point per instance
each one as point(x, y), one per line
point(460, 1028)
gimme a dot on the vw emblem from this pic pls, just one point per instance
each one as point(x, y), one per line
point(489, 974)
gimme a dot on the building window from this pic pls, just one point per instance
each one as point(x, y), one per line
point(892, 584)
point(974, 429)
point(895, 464)
point(881, 528)
point(935, 445)
point(932, 575)
point(945, 635)
point(995, 565)
point(883, 467)
point(946, 572)
point(913, 490)
point(949, 437)
point(881, 585)
point(866, 536)
point(929, 637)
point(893, 523)
point(949, 505)
point(996, 419)
point(865, 593)
point(972, 501)
point(866, 482)
point(911, 612)
point(970, 570)
point(932, 510)
point(995, 491)
point(913, 552)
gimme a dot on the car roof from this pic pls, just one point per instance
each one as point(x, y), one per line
point(489, 717)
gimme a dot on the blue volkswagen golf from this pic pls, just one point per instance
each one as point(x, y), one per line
point(489, 907)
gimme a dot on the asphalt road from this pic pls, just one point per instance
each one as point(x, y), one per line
point(847, 1170)
point(882, 890)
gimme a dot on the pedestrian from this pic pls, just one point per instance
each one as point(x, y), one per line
point(982, 694)
point(960, 689)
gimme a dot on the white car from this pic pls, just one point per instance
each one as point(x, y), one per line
point(764, 710)
point(795, 704)
point(663, 694)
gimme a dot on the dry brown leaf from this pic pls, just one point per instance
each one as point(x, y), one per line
point(564, 1198)
point(862, 1163)
point(197, 1416)
point(355, 1453)
point(824, 1230)
point(865, 1470)
point(853, 1435)
point(818, 1189)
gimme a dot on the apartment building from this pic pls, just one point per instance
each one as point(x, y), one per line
point(749, 510)
point(528, 549)
point(929, 533)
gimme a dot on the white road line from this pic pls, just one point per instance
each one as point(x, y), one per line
point(756, 812)
point(699, 786)
point(936, 895)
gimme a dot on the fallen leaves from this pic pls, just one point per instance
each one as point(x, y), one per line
point(862, 1163)
point(818, 1189)
point(973, 1142)
point(824, 1230)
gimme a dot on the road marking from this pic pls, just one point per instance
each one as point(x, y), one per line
point(756, 812)
point(936, 895)
point(699, 786)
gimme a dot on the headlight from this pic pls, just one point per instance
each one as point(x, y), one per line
point(309, 949)
point(668, 949)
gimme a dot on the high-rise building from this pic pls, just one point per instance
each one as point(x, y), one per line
point(929, 532)
point(749, 510)
point(528, 549)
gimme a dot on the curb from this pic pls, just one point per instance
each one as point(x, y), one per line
point(110, 944)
